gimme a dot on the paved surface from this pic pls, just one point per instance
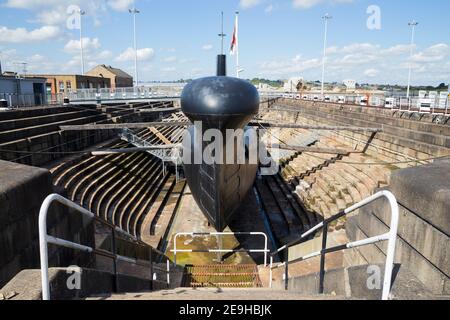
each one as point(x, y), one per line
point(215, 294)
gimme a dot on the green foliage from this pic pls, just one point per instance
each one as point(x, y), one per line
point(272, 83)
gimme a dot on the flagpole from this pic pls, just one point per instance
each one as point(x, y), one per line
point(237, 44)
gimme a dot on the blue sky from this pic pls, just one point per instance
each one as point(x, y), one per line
point(278, 38)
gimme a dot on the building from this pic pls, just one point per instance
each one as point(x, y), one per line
point(64, 83)
point(20, 91)
point(350, 85)
point(292, 84)
point(118, 78)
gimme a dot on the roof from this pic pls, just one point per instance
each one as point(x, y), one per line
point(118, 72)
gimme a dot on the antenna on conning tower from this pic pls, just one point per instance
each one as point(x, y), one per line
point(222, 58)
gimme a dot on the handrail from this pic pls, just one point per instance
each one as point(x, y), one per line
point(45, 238)
point(390, 236)
point(195, 234)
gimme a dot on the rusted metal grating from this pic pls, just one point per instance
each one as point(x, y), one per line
point(223, 276)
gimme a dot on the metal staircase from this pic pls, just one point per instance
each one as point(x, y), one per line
point(222, 276)
point(171, 155)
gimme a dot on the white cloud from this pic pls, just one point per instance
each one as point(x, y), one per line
point(436, 53)
point(129, 54)
point(269, 8)
point(22, 35)
point(121, 5)
point(118, 5)
point(207, 47)
point(104, 55)
point(246, 4)
point(89, 44)
point(169, 69)
point(54, 12)
point(291, 66)
point(398, 49)
point(307, 4)
point(367, 62)
point(371, 72)
point(52, 16)
point(36, 58)
point(170, 59)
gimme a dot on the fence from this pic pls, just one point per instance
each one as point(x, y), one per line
point(391, 237)
point(45, 239)
point(193, 234)
point(438, 104)
point(23, 100)
point(132, 93)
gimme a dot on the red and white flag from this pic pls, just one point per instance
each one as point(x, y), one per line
point(234, 40)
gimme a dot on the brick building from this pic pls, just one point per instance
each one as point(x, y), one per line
point(118, 77)
point(63, 83)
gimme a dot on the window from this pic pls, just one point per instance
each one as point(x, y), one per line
point(68, 85)
point(61, 86)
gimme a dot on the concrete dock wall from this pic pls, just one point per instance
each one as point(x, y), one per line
point(22, 191)
point(423, 244)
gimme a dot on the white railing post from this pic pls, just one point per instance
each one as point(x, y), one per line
point(270, 272)
point(391, 237)
point(390, 255)
point(175, 249)
point(43, 248)
point(168, 273)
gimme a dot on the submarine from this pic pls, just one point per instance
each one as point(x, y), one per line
point(222, 103)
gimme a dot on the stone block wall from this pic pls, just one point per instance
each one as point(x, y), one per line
point(423, 244)
point(22, 191)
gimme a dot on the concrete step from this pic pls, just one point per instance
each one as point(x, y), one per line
point(222, 276)
point(260, 294)
point(21, 123)
point(33, 112)
point(414, 146)
point(38, 129)
point(352, 282)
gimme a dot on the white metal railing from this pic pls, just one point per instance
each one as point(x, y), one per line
point(194, 234)
point(130, 93)
point(14, 100)
point(391, 237)
point(45, 239)
point(438, 105)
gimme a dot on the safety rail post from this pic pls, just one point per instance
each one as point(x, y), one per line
point(270, 271)
point(322, 257)
point(286, 269)
point(114, 251)
point(151, 268)
point(390, 236)
point(45, 238)
point(168, 272)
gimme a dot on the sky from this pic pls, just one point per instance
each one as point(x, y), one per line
point(368, 40)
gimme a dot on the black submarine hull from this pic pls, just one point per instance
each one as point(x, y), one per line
point(219, 103)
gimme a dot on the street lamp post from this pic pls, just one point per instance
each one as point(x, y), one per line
point(134, 12)
point(82, 13)
point(413, 26)
point(326, 18)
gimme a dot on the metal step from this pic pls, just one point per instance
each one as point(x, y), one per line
point(222, 276)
